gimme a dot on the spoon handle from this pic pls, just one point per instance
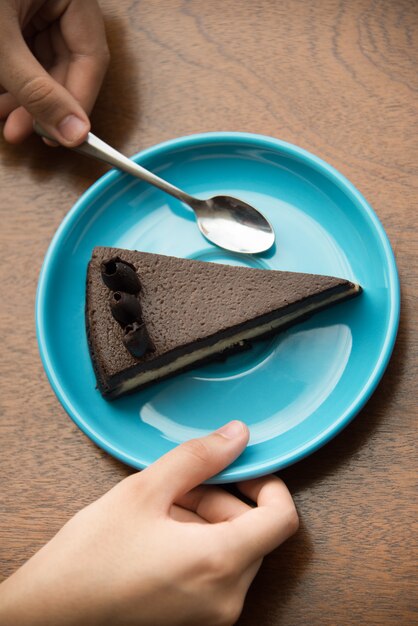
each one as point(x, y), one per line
point(98, 149)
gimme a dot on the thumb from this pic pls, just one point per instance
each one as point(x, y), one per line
point(194, 461)
point(46, 100)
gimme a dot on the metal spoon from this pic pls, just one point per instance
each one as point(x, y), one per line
point(225, 221)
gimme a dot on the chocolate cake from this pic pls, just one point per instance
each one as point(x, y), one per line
point(150, 316)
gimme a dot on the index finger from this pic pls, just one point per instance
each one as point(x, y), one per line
point(80, 35)
point(260, 530)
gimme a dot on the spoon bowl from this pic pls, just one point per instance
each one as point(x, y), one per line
point(226, 222)
point(233, 225)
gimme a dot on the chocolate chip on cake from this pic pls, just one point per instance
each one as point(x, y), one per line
point(119, 275)
point(125, 307)
point(136, 339)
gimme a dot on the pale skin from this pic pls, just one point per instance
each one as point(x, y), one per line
point(159, 548)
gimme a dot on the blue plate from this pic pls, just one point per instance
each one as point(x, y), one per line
point(296, 391)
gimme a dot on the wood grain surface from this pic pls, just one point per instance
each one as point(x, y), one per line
point(338, 78)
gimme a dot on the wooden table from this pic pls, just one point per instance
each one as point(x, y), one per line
point(337, 78)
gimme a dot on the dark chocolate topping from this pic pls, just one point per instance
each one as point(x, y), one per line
point(136, 339)
point(125, 307)
point(119, 275)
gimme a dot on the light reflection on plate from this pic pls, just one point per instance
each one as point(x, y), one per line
point(307, 387)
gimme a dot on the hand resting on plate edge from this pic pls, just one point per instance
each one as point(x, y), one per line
point(158, 548)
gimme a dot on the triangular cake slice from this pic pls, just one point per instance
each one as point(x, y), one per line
point(150, 316)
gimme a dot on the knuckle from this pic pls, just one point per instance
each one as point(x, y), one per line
point(212, 564)
point(99, 58)
point(233, 611)
point(197, 450)
point(218, 566)
point(292, 520)
point(130, 483)
point(137, 482)
point(228, 611)
point(38, 93)
point(135, 488)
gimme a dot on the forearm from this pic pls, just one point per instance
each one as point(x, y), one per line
point(23, 604)
point(41, 593)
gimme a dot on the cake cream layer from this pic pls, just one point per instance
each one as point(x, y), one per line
point(201, 354)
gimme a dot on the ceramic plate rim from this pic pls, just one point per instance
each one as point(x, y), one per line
point(194, 140)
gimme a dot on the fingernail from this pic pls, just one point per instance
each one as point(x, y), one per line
point(51, 144)
point(72, 128)
point(232, 430)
